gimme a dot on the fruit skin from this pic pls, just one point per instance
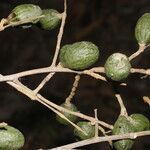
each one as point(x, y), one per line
point(79, 56)
point(122, 126)
point(10, 138)
point(117, 66)
point(140, 122)
point(142, 29)
point(51, 20)
point(71, 117)
point(26, 11)
point(87, 127)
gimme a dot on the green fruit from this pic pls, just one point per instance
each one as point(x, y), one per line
point(24, 12)
point(71, 117)
point(10, 138)
point(117, 67)
point(51, 20)
point(122, 126)
point(79, 56)
point(87, 127)
point(140, 122)
point(142, 29)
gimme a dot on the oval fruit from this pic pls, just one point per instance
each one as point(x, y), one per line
point(24, 12)
point(140, 122)
point(71, 117)
point(142, 29)
point(51, 20)
point(79, 56)
point(117, 67)
point(122, 126)
point(10, 138)
point(87, 127)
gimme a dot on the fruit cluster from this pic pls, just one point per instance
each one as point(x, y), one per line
point(47, 19)
point(81, 56)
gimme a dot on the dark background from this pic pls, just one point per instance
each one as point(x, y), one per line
point(107, 23)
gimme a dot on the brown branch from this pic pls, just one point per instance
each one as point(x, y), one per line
point(59, 37)
point(45, 80)
point(94, 75)
point(61, 115)
point(37, 71)
point(78, 114)
point(96, 123)
point(141, 71)
point(91, 72)
point(35, 96)
point(103, 139)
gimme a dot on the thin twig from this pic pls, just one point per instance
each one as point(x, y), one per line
point(33, 96)
point(61, 69)
point(37, 71)
point(102, 139)
point(59, 37)
point(25, 90)
point(141, 71)
point(61, 115)
point(96, 123)
point(95, 75)
point(45, 80)
point(78, 114)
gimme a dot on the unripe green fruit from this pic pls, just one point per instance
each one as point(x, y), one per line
point(26, 11)
point(142, 29)
point(122, 126)
point(10, 138)
point(71, 117)
point(140, 122)
point(87, 127)
point(79, 56)
point(51, 20)
point(117, 67)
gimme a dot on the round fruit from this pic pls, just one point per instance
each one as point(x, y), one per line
point(140, 122)
point(117, 66)
point(51, 20)
point(122, 126)
point(10, 138)
point(71, 117)
point(79, 56)
point(142, 29)
point(87, 127)
point(24, 12)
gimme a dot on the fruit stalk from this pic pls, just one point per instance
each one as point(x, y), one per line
point(141, 49)
point(123, 110)
point(74, 88)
